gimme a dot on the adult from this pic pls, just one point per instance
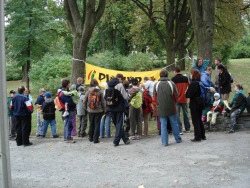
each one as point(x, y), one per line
point(116, 105)
point(149, 85)
point(182, 84)
point(94, 103)
point(224, 82)
point(167, 95)
point(237, 106)
point(68, 126)
point(200, 65)
point(22, 108)
point(196, 106)
point(217, 62)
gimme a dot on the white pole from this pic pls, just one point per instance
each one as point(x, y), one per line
point(5, 175)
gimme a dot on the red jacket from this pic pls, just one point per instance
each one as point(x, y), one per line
point(147, 100)
point(182, 84)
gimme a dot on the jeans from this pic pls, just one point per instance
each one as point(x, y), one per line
point(52, 126)
point(105, 120)
point(119, 129)
point(68, 127)
point(175, 129)
point(233, 116)
point(39, 124)
point(184, 107)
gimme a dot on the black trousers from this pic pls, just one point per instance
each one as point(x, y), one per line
point(94, 126)
point(22, 129)
point(199, 131)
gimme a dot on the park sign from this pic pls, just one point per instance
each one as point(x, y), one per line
point(103, 75)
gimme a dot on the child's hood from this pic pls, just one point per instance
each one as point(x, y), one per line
point(95, 89)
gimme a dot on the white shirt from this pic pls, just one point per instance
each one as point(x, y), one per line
point(149, 85)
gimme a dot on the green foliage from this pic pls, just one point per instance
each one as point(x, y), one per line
point(48, 72)
point(116, 61)
point(223, 52)
point(242, 48)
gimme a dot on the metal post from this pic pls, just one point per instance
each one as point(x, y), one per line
point(5, 175)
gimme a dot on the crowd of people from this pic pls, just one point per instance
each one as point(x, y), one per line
point(130, 105)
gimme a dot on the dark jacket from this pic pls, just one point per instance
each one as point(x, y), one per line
point(21, 105)
point(166, 97)
point(194, 93)
point(248, 104)
point(40, 100)
point(48, 109)
point(182, 84)
point(123, 96)
point(69, 100)
point(239, 101)
point(224, 82)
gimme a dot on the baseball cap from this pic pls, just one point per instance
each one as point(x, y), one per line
point(12, 92)
point(42, 89)
point(47, 95)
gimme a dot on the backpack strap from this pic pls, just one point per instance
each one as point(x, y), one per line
point(156, 87)
point(171, 87)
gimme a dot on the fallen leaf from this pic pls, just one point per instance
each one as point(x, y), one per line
point(49, 145)
point(141, 186)
point(176, 181)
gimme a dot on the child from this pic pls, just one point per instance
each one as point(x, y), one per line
point(79, 83)
point(81, 113)
point(135, 110)
point(12, 131)
point(146, 108)
point(38, 104)
point(48, 110)
point(218, 106)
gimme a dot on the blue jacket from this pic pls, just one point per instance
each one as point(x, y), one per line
point(40, 100)
point(203, 67)
point(21, 105)
point(206, 79)
point(69, 100)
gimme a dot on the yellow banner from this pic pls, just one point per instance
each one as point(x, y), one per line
point(104, 75)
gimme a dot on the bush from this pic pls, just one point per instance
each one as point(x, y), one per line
point(13, 73)
point(48, 72)
point(241, 49)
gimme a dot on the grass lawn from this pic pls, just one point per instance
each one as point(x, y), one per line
point(240, 68)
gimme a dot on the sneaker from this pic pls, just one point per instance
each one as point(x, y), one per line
point(193, 140)
point(128, 142)
point(231, 131)
point(188, 131)
point(55, 136)
point(132, 138)
point(181, 133)
point(38, 135)
point(71, 141)
point(137, 137)
point(115, 145)
point(65, 114)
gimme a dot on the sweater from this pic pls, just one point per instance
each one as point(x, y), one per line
point(10, 112)
point(21, 105)
point(39, 100)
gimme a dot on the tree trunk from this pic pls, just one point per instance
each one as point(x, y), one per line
point(170, 57)
point(103, 39)
point(24, 73)
point(181, 55)
point(78, 67)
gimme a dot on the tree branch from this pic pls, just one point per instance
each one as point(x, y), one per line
point(190, 40)
point(69, 17)
point(75, 14)
point(100, 10)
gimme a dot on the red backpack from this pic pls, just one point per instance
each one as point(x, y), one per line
point(58, 103)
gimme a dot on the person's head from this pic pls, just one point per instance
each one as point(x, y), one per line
point(217, 61)
point(26, 92)
point(79, 80)
point(134, 82)
point(93, 83)
point(163, 73)
point(65, 84)
point(21, 90)
point(152, 78)
point(177, 70)
point(81, 89)
point(195, 75)
point(119, 77)
point(126, 84)
point(47, 95)
point(216, 96)
point(12, 93)
point(209, 70)
point(238, 87)
point(42, 91)
point(199, 62)
point(146, 79)
point(221, 68)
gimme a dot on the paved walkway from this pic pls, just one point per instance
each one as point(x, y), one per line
point(221, 161)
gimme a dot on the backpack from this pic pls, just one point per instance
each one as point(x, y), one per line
point(145, 101)
point(58, 103)
point(136, 101)
point(206, 93)
point(112, 96)
point(93, 100)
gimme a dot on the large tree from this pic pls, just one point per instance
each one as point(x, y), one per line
point(203, 12)
point(171, 21)
point(82, 16)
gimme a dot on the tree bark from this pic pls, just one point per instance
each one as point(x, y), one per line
point(181, 55)
point(202, 13)
point(103, 39)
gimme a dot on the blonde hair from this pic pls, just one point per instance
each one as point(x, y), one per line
point(79, 79)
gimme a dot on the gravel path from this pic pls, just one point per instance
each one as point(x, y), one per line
point(221, 161)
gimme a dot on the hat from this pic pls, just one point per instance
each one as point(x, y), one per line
point(47, 95)
point(81, 89)
point(42, 89)
point(217, 95)
point(12, 92)
point(134, 81)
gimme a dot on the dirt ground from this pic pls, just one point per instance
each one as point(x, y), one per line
point(221, 161)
